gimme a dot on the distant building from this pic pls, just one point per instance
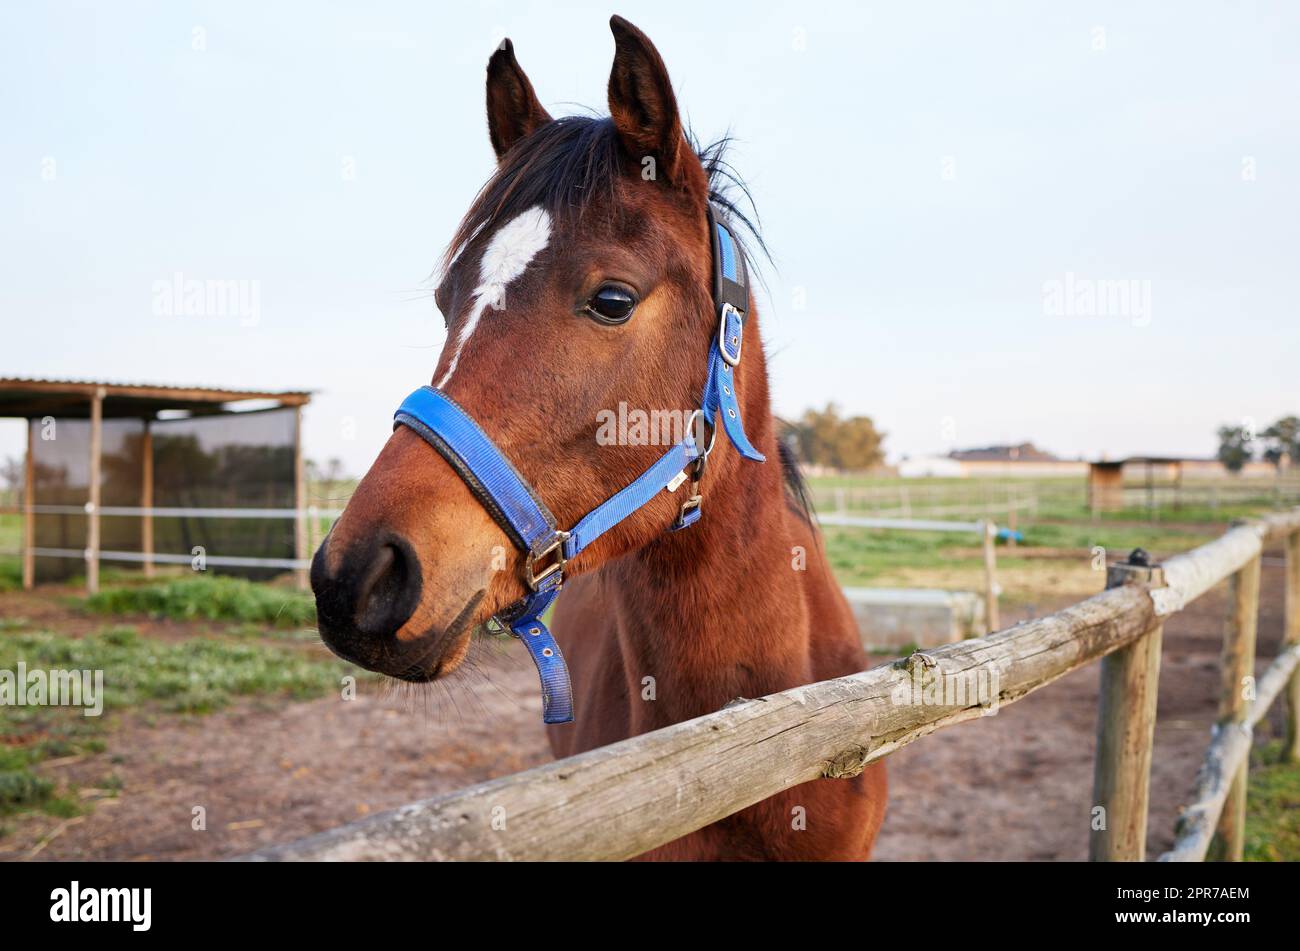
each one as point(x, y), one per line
point(1106, 475)
point(923, 467)
point(1022, 459)
point(1022, 452)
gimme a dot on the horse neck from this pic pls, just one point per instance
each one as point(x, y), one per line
point(713, 612)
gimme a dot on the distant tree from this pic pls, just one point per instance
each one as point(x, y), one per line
point(1283, 439)
point(1235, 448)
point(825, 438)
point(815, 434)
point(329, 472)
point(11, 473)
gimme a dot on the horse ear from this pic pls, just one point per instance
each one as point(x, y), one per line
point(641, 101)
point(512, 107)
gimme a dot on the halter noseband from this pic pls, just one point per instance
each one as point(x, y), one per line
point(522, 514)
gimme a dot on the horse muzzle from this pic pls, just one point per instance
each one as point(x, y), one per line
point(366, 606)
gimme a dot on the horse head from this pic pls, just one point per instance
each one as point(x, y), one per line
point(578, 281)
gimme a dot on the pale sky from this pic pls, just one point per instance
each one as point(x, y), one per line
point(924, 172)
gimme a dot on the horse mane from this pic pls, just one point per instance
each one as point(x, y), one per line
point(569, 162)
point(796, 488)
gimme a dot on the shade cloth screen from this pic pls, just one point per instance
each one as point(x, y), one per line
point(229, 461)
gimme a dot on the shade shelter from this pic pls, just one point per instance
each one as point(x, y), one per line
point(1106, 485)
point(1106, 479)
point(151, 474)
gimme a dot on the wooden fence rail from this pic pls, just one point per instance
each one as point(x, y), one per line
point(624, 799)
point(1225, 760)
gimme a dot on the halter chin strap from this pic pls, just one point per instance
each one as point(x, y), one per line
point(524, 517)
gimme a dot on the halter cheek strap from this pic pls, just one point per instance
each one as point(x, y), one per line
point(524, 517)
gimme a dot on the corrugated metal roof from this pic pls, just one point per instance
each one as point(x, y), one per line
point(31, 397)
point(49, 381)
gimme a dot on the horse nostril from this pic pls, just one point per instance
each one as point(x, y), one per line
point(364, 594)
point(388, 591)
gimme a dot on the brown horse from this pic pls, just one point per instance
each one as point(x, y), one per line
point(581, 279)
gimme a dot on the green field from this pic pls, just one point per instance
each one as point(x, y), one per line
point(1050, 513)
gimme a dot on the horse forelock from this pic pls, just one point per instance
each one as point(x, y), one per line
point(573, 166)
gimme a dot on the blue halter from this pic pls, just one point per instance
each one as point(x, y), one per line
point(519, 510)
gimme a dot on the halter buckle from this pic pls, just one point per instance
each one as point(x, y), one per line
point(692, 504)
point(555, 546)
point(739, 340)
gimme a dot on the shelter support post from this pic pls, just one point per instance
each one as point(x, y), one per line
point(29, 509)
point(300, 544)
point(146, 497)
point(92, 507)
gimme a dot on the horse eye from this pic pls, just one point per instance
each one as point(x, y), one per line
point(612, 304)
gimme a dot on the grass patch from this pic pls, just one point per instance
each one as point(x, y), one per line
point(252, 630)
point(21, 788)
point(194, 676)
point(1114, 538)
point(11, 573)
point(215, 598)
point(1272, 808)
point(858, 556)
point(31, 735)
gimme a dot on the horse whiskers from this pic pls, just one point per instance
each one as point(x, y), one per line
point(482, 647)
point(443, 691)
point(474, 673)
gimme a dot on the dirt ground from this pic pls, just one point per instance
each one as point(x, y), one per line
point(1016, 785)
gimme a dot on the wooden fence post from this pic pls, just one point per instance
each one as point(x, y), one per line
point(1126, 720)
point(1291, 635)
point(990, 577)
point(1234, 705)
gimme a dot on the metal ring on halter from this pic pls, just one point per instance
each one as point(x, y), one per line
point(713, 431)
point(702, 459)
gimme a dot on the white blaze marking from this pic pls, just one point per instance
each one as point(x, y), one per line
point(515, 244)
